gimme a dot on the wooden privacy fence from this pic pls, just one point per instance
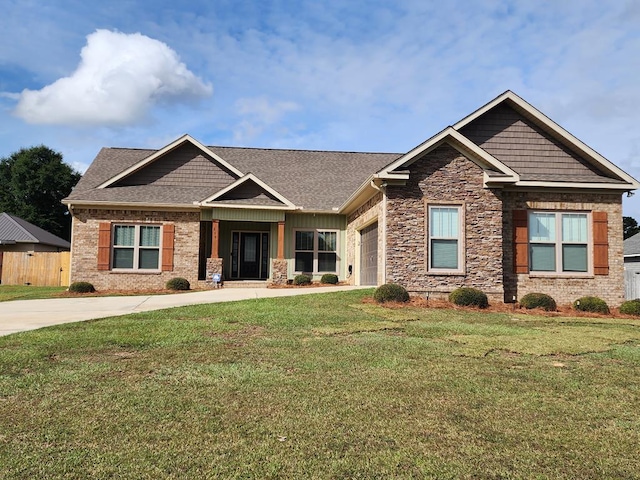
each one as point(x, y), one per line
point(43, 269)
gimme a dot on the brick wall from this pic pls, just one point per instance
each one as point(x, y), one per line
point(445, 176)
point(85, 248)
point(566, 289)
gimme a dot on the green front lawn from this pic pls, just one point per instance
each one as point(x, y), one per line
point(28, 292)
point(322, 386)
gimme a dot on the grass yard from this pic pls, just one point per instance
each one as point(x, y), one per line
point(322, 386)
point(28, 292)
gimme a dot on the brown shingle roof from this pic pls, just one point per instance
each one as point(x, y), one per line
point(314, 180)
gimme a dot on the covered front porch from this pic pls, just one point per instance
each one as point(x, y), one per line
point(269, 245)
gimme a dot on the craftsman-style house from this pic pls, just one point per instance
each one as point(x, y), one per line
point(505, 200)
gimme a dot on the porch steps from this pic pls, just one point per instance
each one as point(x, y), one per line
point(245, 284)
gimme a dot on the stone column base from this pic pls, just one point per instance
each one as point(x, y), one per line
point(214, 265)
point(279, 271)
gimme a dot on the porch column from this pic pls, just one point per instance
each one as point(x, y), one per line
point(279, 264)
point(280, 240)
point(215, 238)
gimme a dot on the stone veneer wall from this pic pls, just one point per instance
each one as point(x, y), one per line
point(84, 265)
point(279, 268)
point(444, 176)
point(366, 214)
point(566, 289)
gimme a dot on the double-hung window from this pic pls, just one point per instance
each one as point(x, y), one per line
point(136, 247)
point(445, 240)
point(558, 242)
point(316, 251)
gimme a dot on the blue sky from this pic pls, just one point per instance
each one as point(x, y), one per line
point(340, 75)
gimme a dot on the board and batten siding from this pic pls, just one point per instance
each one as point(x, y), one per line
point(311, 221)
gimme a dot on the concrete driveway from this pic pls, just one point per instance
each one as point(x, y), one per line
point(23, 315)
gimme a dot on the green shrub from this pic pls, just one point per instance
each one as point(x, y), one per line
point(538, 300)
point(81, 287)
point(331, 278)
point(178, 283)
point(591, 304)
point(469, 297)
point(631, 307)
point(391, 292)
point(302, 279)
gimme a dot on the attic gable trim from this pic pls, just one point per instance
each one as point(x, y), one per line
point(459, 142)
point(249, 207)
point(585, 185)
point(173, 145)
point(240, 181)
point(519, 103)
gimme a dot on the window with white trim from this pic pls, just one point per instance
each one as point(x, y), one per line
point(136, 247)
point(559, 242)
point(445, 241)
point(316, 251)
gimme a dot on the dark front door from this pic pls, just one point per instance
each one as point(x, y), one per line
point(250, 255)
point(369, 255)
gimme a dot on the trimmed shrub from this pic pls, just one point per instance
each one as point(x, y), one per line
point(469, 297)
point(591, 304)
point(538, 300)
point(178, 283)
point(81, 287)
point(331, 278)
point(391, 292)
point(631, 307)
point(302, 279)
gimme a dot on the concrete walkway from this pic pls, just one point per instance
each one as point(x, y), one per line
point(23, 315)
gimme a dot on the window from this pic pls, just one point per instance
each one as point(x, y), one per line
point(445, 244)
point(136, 247)
point(316, 251)
point(558, 242)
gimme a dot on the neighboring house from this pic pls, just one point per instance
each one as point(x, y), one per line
point(632, 267)
point(505, 201)
point(18, 235)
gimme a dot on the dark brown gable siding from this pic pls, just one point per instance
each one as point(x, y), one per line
point(185, 166)
point(251, 193)
point(525, 148)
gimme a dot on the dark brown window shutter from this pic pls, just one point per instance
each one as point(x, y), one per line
point(600, 244)
point(520, 241)
point(167, 247)
point(104, 245)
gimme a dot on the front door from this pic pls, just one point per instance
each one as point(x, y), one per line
point(250, 255)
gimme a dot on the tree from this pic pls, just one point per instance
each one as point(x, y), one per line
point(630, 227)
point(33, 181)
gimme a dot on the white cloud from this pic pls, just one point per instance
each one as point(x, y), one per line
point(119, 78)
point(258, 115)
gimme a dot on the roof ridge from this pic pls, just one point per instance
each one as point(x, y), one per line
point(303, 150)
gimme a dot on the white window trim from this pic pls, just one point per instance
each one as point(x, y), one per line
point(136, 247)
point(461, 239)
point(316, 231)
point(559, 243)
